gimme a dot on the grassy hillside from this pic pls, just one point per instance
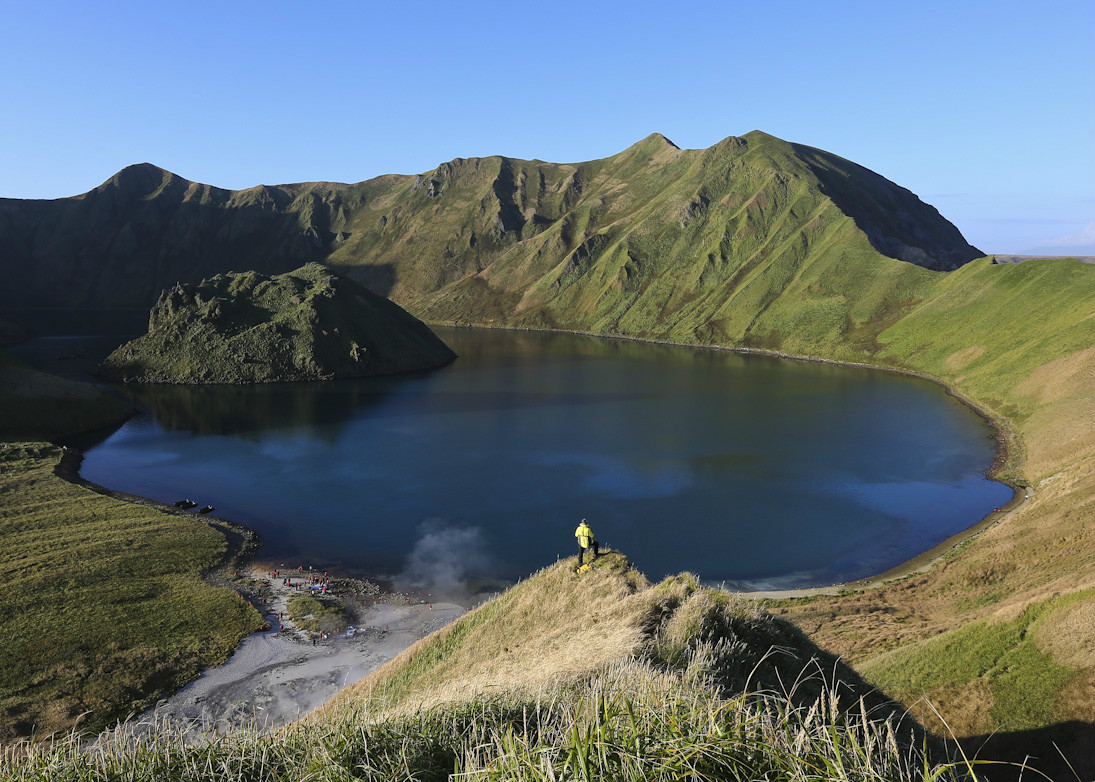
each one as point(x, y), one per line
point(998, 636)
point(495, 225)
point(592, 676)
point(106, 609)
point(308, 324)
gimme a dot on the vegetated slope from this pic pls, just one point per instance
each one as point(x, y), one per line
point(565, 676)
point(105, 608)
point(484, 230)
point(602, 654)
point(309, 324)
point(998, 636)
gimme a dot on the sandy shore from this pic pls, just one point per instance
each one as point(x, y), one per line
point(280, 674)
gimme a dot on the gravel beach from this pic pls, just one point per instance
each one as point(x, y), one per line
point(279, 675)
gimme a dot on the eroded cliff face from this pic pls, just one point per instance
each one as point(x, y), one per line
point(308, 324)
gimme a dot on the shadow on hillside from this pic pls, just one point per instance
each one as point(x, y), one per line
point(379, 278)
point(1074, 739)
point(749, 651)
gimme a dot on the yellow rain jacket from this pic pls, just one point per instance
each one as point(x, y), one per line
point(584, 535)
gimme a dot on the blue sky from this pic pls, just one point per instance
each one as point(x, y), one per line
point(984, 110)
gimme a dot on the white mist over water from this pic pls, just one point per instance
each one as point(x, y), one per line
point(444, 557)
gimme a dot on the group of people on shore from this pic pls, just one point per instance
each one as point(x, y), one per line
point(317, 583)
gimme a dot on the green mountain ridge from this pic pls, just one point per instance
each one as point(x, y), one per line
point(504, 239)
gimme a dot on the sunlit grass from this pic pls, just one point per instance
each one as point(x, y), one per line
point(105, 608)
point(631, 723)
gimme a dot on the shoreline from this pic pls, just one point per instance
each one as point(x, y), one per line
point(1008, 458)
point(281, 671)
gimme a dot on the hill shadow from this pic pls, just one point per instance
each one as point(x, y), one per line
point(379, 278)
point(1045, 749)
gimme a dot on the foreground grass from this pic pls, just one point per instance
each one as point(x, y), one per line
point(105, 608)
point(592, 732)
point(698, 686)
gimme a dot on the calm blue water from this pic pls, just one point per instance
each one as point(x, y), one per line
point(751, 470)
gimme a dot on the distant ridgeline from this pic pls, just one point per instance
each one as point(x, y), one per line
point(308, 324)
point(656, 241)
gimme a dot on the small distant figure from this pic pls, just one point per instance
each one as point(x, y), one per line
point(585, 541)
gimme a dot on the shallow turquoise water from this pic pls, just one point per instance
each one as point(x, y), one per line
point(751, 470)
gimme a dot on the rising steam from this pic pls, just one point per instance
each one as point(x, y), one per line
point(444, 558)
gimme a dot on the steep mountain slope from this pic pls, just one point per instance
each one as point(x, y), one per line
point(308, 324)
point(493, 236)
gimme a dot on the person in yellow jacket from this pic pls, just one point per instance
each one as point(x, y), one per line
point(585, 541)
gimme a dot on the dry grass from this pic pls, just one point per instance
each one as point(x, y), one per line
point(1068, 639)
point(961, 358)
point(559, 629)
point(1061, 427)
point(566, 625)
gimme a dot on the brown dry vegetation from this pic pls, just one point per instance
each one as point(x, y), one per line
point(560, 629)
point(526, 639)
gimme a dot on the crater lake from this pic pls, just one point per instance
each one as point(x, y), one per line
point(755, 471)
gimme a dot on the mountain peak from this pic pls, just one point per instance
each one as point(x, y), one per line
point(659, 139)
point(139, 177)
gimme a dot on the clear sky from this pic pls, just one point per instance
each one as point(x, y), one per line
point(986, 110)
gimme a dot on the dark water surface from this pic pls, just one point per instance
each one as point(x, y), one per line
point(751, 470)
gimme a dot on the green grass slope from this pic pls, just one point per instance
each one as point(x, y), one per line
point(566, 677)
point(105, 608)
point(741, 243)
point(308, 324)
point(997, 636)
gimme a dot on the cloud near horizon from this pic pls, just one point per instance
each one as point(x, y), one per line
point(1081, 242)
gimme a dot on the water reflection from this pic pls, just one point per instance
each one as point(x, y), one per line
point(313, 409)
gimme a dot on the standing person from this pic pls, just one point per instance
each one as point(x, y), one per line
point(585, 540)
